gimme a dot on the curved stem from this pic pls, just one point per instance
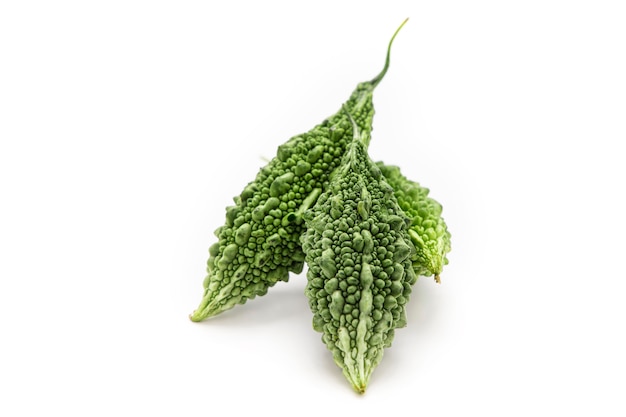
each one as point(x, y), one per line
point(380, 76)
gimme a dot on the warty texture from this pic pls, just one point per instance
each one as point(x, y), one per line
point(428, 230)
point(359, 276)
point(259, 243)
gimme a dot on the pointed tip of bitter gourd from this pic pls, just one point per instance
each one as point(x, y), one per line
point(380, 76)
point(357, 379)
point(208, 309)
point(205, 310)
point(198, 315)
point(360, 388)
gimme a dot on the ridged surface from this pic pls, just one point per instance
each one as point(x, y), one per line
point(428, 230)
point(359, 257)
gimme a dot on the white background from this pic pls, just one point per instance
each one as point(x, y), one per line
point(126, 127)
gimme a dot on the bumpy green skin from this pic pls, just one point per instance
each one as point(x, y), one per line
point(428, 230)
point(260, 241)
point(359, 258)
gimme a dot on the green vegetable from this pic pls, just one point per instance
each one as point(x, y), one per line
point(428, 230)
point(259, 244)
point(359, 256)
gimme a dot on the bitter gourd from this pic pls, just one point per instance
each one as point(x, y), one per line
point(259, 243)
point(428, 230)
point(358, 254)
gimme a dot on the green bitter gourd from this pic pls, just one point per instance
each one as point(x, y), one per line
point(260, 241)
point(358, 254)
point(428, 230)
